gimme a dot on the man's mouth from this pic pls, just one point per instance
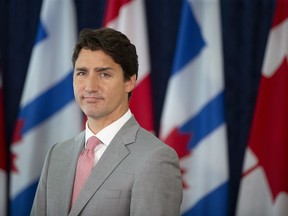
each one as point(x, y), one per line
point(92, 99)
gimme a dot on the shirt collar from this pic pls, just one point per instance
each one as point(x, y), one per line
point(107, 134)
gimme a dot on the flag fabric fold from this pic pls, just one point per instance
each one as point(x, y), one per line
point(193, 121)
point(48, 113)
point(128, 16)
point(264, 184)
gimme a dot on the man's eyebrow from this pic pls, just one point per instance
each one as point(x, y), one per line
point(81, 68)
point(99, 69)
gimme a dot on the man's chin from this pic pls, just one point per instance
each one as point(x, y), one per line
point(93, 115)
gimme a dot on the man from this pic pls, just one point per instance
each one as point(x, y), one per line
point(133, 172)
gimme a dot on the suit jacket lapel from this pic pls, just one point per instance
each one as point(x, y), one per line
point(70, 160)
point(111, 158)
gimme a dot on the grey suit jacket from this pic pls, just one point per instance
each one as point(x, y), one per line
point(137, 175)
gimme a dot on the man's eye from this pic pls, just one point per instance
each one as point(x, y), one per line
point(80, 73)
point(105, 75)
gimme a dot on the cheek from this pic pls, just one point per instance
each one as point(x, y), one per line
point(76, 89)
point(75, 92)
point(115, 93)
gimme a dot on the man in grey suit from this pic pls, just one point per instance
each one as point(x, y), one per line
point(133, 173)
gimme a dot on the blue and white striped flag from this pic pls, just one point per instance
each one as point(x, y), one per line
point(48, 112)
point(193, 115)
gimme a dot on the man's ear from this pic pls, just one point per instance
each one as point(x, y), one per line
point(130, 84)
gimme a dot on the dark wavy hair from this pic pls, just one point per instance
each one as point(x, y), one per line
point(113, 43)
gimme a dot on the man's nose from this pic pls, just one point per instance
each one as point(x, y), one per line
point(91, 83)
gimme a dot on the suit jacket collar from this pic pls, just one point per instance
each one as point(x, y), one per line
point(111, 158)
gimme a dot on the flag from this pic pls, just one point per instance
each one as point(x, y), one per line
point(264, 184)
point(128, 16)
point(3, 157)
point(193, 121)
point(48, 113)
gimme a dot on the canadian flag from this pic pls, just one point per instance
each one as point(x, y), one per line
point(264, 186)
point(128, 16)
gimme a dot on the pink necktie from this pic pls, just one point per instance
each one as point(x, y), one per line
point(84, 166)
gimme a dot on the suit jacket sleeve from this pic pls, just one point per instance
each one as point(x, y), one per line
point(157, 189)
point(39, 204)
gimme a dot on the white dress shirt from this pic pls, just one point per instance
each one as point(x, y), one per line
point(106, 134)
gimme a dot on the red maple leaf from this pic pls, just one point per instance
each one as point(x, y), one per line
point(269, 137)
point(13, 163)
point(179, 141)
point(17, 136)
point(184, 184)
point(3, 164)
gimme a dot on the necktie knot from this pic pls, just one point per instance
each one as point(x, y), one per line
point(92, 142)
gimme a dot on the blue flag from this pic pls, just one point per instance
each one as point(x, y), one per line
point(193, 121)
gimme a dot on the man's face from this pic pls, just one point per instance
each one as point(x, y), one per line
point(99, 86)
